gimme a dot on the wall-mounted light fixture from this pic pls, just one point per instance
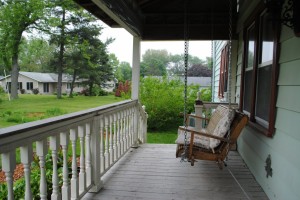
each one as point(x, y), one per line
point(288, 13)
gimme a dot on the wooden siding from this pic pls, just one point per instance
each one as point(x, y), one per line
point(152, 172)
point(284, 146)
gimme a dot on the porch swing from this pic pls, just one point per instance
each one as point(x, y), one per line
point(214, 141)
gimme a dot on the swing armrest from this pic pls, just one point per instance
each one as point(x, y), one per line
point(188, 116)
point(193, 131)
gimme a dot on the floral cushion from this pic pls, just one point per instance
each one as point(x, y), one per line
point(218, 125)
point(198, 139)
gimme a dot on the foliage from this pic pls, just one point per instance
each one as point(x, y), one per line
point(154, 63)
point(35, 55)
point(22, 91)
point(16, 18)
point(206, 94)
point(164, 101)
point(35, 91)
point(199, 70)
point(123, 72)
point(123, 90)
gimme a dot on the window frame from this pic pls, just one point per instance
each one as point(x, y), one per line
point(256, 20)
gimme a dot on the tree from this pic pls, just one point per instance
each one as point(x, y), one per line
point(176, 64)
point(123, 72)
point(16, 18)
point(199, 70)
point(35, 55)
point(154, 63)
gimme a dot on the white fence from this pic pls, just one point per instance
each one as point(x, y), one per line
point(92, 140)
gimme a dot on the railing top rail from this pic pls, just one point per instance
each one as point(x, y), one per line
point(36, 128)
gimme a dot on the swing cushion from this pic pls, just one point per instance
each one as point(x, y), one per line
point(218, 125)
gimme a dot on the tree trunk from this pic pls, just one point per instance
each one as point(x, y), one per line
point(91, 83)
point(14, 77)
point(61, 55)
point(72, 84)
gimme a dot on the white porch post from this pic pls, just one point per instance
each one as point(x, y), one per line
point(135, 84)
point(135, 68)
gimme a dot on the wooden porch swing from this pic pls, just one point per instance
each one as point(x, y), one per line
point(223, 129)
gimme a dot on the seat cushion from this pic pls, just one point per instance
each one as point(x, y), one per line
point(199, 140)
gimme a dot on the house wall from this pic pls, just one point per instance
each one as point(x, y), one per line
point(284, 146)
point(218, 47)
point(24, 81)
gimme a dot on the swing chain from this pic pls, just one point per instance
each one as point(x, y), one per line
point(186, 59)
point(229, 56)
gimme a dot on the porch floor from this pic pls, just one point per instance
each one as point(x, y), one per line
point(152, 172)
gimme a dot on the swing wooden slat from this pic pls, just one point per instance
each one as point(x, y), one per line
point(219, 153)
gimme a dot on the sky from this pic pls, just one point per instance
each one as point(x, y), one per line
point(122, 46)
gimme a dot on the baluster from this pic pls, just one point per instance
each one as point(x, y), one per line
point(82, 174)
point(88, 155)
point(106, 119)
point(64, 142)
point(115, 137)
point(54, 146)
point(126, 130)
point(122, 132)
point(26, 159)
point(41, 151)
point(119, 134)
point(102, 146)
point(111, 150)
point(131, 126)
point(8, 166)
point(74, 179)
point(95, 150)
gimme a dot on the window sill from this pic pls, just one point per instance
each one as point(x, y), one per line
point(260, 129)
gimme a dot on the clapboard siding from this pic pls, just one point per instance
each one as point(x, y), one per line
point(289, 73)
point(289, 97)
point(285, 144)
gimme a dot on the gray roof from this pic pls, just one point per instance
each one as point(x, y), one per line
point(202, 81)
point(46, 77)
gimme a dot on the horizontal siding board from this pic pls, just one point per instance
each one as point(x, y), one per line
point(289, 73)
point(287, 121)
point(289, 98)
point(290, 50)
point(286, 33)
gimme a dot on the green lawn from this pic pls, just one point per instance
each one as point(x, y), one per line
point(162, 137)
point(34, 107)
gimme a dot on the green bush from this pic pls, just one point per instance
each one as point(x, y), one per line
point(35, 91)
point(206, 94)
point(164, 101)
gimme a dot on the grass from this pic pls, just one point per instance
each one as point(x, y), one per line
point(34, 107)
point(162, 137)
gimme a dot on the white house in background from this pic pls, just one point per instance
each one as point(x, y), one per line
point(46, 83)
point(204, 82)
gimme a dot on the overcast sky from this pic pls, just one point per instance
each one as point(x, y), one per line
point(122, 46)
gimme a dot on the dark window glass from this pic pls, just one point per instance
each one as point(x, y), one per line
point(267, 35)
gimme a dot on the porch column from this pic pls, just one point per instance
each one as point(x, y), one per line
point(135, 85)
point(135, 68)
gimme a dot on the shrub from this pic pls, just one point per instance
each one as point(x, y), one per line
point(124, 90)
point(35, 91)
point(22, 91)
point(164, 101)
point(206, 94)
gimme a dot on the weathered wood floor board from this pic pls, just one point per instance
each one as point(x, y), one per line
point(152, 172)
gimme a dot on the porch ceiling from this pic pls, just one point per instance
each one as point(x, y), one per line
point(164, 20)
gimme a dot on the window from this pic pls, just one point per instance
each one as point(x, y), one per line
point(46, 87)
point(29, 85)
point(223, 80)
point(68, 85)
point(20, 85)
point(259, 73)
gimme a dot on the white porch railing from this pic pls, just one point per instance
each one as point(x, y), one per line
point(103, 136)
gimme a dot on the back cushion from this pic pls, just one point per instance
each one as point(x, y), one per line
point(219, 124)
